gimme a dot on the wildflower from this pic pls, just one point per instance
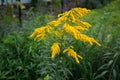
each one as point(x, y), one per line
point(76, 12)
point(71, 30)
point(72, 17)
point(63, 14)
point(83, 24)
point(73, 54)
point(85, 38)
point(40, 37)
point(40, 33)
point(54, 23)
point(55, 49)
point(78, 36)
point(55, 28)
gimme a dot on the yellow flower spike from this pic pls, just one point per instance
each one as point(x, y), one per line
point(54, 23)
point(78, 14)
point(32, 35)
point(80, 28)
point(48, 29)
point(96, 42)
point(40, 37)
point(81, 11)
point(77, 35)
point(63, 14)
point(80, 56)
point(72, 17)
point(37, 31)
point(72, 53)
point(55, 49)
point(76, 59)
point(65, 50)
point(70, 29)
point(85, 38)
point(59, 15)
point(86, 24)
point(62, 19)
point(40, 33)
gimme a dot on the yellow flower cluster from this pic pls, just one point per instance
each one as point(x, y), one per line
point(78, 36)
point(61, 26)
point(73, 54)
point(40, 33)
point(72, 15)
point(55, 49)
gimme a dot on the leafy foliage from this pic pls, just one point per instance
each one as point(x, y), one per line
point(101, 63)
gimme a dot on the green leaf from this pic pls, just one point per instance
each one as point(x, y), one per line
point(102, 67)
point(107, 54)
point(116, 54)
point(110, 63)
point(101, 75)
point(114, 74)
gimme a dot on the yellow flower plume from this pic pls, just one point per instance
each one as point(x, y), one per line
point(40, 33)
point(78, 36)
point(73, 54)
point(55, 49)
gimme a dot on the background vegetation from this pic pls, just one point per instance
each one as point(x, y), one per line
point(23, 59)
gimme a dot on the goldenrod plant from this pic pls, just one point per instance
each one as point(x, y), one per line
point(63, 31)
